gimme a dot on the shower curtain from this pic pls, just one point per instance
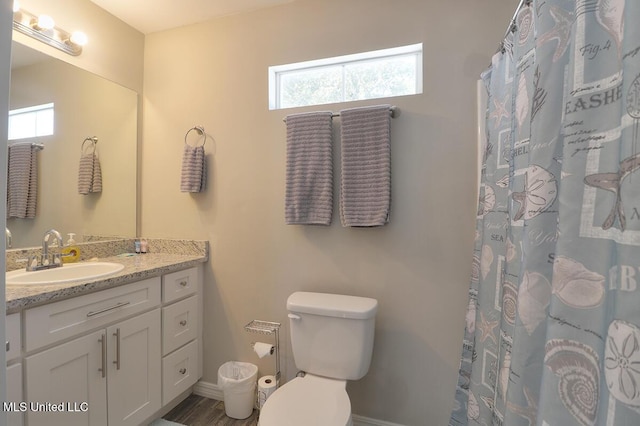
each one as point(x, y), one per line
point(553, 323)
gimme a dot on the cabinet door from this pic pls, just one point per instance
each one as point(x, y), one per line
point(134, 391)
point(69, 374)
point(14, 393)
point(14, 340)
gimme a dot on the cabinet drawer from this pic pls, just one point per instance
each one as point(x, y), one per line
point(179, 324)
point(179, 371)
point(60, 320)
point(179, 284)
point(14, 340)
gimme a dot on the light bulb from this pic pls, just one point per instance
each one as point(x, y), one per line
point(16, 6)
point(46, 22)
point(79, 38)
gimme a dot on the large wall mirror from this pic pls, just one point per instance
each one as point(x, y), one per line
point(85, 105)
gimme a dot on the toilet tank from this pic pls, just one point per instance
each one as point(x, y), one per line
point(332, 334)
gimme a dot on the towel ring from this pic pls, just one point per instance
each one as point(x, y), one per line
point(199, 130)
point(93, 140)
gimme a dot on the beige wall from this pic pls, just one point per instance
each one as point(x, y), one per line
point(418, 266)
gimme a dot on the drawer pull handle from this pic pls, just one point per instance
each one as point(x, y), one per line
point(117, 336)
point(116, 306)
point(103, 341)
point(183, 370)
point(183, 283)
point(183, 323)
point(8, 346)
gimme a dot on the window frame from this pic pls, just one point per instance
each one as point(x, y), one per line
point(278, 71)
point(35, 110)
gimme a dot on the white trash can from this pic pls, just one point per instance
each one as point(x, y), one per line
point(238, 383)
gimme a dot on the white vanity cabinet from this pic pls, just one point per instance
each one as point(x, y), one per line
point(115, 370)
point(105, 349)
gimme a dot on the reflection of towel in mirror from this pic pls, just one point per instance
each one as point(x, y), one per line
point(193, 176)
point(22, 181)
point(89, 174)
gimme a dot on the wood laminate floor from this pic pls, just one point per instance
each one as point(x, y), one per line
point(200, 411)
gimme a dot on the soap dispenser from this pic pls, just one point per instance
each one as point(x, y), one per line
point(70, 252)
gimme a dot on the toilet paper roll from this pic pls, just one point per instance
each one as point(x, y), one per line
point(266, 386)
point(263, 349)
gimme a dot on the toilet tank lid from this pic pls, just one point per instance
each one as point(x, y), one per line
point(334, 305)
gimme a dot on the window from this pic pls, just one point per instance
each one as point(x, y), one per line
point(368, 75)
point(31, 122)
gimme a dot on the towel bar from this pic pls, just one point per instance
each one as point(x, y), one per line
point(37, 146)
point(92, 139)
point(392, 111)
point(199, 130)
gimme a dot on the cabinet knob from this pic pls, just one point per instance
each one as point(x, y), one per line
point(183, 323)
point(183, 370)
point(183, 283)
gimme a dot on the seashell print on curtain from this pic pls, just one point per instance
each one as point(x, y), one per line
point(553, 321)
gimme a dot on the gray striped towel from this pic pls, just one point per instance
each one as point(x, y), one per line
point(365, 189)
point(89, 173)
point(194, 172)
point(22, 181)
point(309, 178)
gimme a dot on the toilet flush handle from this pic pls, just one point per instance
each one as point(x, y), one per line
point(294, 317)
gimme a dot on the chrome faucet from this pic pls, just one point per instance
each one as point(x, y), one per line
point(45, 261)
point(45, 241)
point(9, 238)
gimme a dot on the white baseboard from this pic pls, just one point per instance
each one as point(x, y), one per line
point(365, 421)
point(208, 390)
point(211, 390)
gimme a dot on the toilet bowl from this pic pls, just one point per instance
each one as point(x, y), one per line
point(309, 401)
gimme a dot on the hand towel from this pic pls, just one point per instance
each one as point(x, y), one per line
point(22, 181)
point(309, 174)
point(365, 188)
point(193, 176)
point(89, 173)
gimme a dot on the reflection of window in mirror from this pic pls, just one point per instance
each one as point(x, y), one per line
point(31, 122)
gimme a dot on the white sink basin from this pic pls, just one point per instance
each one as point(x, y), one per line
point(63, 274)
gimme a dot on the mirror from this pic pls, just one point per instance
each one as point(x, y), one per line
point(85, 105)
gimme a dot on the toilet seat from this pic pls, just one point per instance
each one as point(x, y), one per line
point(310, 401)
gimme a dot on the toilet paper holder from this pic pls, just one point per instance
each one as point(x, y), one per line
point(271, 329)
point(271, 351)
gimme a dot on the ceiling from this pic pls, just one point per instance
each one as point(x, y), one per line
point(148, 16)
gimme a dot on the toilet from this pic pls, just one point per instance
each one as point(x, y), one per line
point(332, 342)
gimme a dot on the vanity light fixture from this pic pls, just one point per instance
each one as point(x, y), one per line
point(44, 22)
point(43, 28)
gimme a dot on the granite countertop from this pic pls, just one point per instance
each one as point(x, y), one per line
point(136, 267)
